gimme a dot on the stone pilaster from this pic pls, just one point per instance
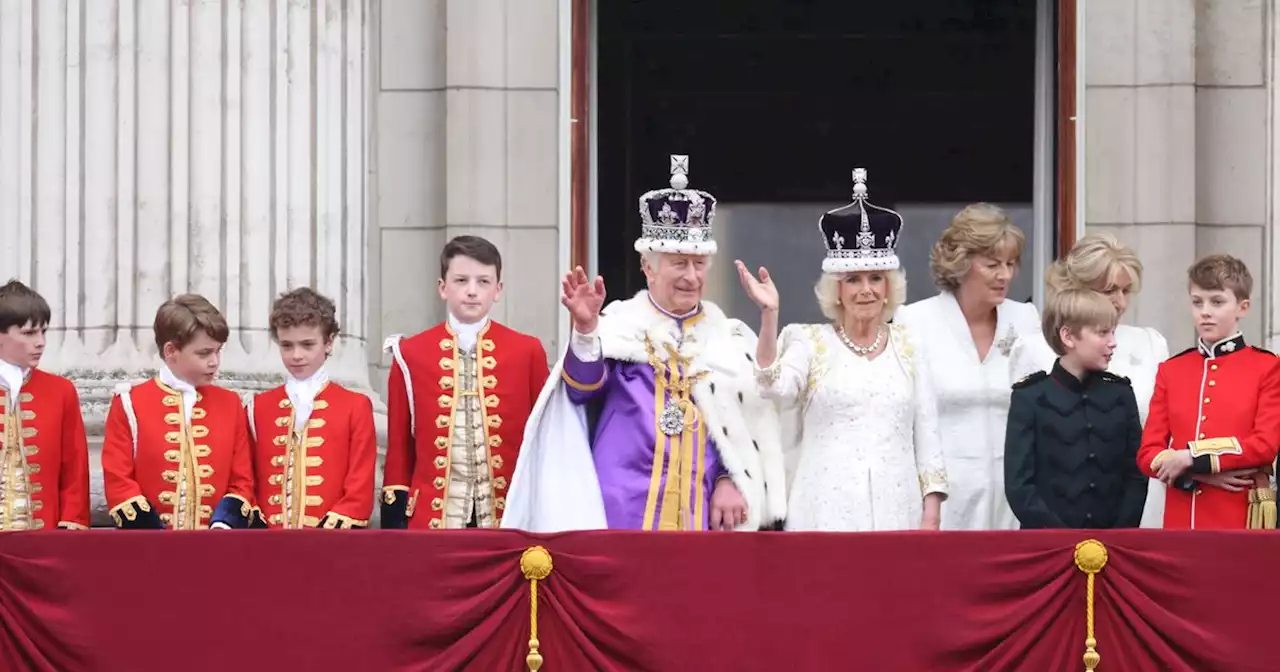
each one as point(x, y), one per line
point(1141, 148)
point(1180, 111)
point(1231, 148)
point(165, 146)
point(467, 102)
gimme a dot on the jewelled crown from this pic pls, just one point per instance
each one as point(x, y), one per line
point(677, 220)
point(860, 236)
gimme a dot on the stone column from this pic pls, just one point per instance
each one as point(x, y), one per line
point(467, 98)
point(154, 147)
point(1180, 110)
point(1140, 146)
point(1231, 144)
point(501, 105)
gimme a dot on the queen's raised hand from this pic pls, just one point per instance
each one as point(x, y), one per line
point(760, 289)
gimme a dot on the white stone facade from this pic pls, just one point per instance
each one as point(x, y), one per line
point(467, 128)
point(1180, 145)
point(239, 149)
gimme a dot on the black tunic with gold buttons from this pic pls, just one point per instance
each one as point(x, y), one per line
point(1070, 451)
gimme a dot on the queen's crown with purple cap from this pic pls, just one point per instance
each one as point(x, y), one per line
point(860, 236)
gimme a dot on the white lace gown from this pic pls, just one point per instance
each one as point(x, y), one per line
point(1139, 352)
point(868, 445)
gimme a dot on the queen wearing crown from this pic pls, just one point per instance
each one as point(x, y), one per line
point(870, 458)
point(651, 420)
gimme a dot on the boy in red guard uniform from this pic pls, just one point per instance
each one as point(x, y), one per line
point(44, 461)
point(314, 446)
point(177, 446)
point(1214, 424)
point(457, 401)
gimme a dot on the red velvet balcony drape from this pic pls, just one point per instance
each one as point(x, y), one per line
point(335, 600)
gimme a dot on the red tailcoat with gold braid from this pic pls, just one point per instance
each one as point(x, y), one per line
point(44, 461)
point(155, 461)
point(320, 475)
point(1223, 404)
point(455, 422)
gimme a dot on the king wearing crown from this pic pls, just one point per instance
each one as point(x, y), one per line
point(651, 419)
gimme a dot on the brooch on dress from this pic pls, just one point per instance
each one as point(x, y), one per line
point(1006, 344)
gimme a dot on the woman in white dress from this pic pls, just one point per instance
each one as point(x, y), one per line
point(966, 334)
point(1100, 262)
point(870, 458)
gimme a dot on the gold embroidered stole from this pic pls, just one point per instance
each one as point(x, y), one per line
point(677, 422)
point(16, 507)
point(293, 498)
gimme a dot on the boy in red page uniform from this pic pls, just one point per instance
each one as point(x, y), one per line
point(314, 446)
point(457, 401)
point(1214, 425)
point(176, 450)
point(44, 461)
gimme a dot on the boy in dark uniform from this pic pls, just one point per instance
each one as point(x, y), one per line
point(1073, 434)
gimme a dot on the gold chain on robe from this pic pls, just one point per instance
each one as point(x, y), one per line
point(686, 448)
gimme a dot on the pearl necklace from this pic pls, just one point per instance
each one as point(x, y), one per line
point(858, 349)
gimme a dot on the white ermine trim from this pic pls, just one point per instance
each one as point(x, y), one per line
point(705, 248)
point(248, 407)
point(126, 402)
point(392, 345)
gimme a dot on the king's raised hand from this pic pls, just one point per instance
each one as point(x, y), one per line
point(583, 298)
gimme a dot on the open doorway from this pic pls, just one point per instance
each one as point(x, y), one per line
point(776, 103)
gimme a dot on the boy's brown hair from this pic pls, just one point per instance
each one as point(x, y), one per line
point(1221, 272)
point(474, 247)
point(304, 306)
point(1075, 309)
point(20, 305)
point(181, 318)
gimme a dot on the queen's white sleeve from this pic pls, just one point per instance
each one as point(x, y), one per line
point(786, 379)
point(930, 464)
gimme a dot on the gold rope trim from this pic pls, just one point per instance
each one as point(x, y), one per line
point(535, 563)
point(1090, 557)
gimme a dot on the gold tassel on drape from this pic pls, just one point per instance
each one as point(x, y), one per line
point(1090, 557)
point(535, 563)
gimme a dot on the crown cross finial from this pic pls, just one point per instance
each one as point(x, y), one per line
point(859, 183)
point(679, 171)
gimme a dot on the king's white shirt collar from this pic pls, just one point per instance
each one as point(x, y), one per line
point(11, 376)
point(467, 334)
point(302, 394)
point(187, 390)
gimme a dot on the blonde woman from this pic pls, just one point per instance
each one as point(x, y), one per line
point(1100, 262)
point(870, 458)
point(968, 332)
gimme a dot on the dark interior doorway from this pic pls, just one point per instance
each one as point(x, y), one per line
point(774, 100)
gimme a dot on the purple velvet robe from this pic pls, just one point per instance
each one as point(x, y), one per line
point(641, 492)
